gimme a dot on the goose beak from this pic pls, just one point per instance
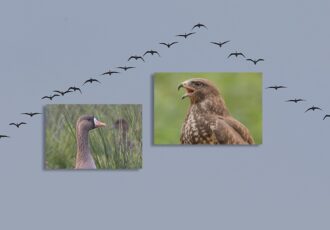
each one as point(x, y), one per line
point(99, 123)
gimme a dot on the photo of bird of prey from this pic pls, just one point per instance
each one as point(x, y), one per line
point(125, 68)
point(327, 115)
point(18, 124)
point(276, 87)
point(220, 44)
point(31, 114)
point(295, 100)
point(168, 44)
point(3, 136)
point(236, 54)
point(91, 80)
point(110, 72)
point(50, 97)
point(185, 35)
point(208, 120)
point(75, 89)
point(313, 108)
point(136, 58)
point(199, 25)
point(152, 52)
point(62, 92)
point(255, 61)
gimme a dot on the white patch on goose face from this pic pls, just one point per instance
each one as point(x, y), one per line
point(95, 121)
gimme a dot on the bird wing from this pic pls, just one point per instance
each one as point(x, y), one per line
point(190, 33)
point(308, 109)
point(249, 59)
point(225, 42)
point(147, 52)
point(326, 116)
point(86, 82)
point(231, 54)
point(227, 130)
point(45, 97)
point(12, 124)
point(241, 54)
point(197, 25)
point(163, 43)
point(57, 91)
point(22, 123)
point(260, 59)
point(130, 58)
point(216, 43)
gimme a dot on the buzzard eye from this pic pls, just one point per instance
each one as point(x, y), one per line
point(198, 83)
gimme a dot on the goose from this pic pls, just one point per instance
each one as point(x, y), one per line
point(122, 126)
point(84, 158)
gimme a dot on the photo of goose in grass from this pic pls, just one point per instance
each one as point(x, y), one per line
point(90, 137)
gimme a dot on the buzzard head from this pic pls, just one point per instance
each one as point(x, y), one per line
point(198, 90)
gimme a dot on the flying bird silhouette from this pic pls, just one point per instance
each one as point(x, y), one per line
point(18, 124)
point(327, 115)
point(109, 72)
point(276, 87)
point(62, 92)
point(199, 25)
point(295, 100)
point(185, 35)
point(50, 97)
point(4, 136)
point(31, 114)
point(313, 108)
point(152, 52)
point(135, 57)
point(91, 80)
point(236, 54)
point(168, 44)
point(125, 68)
point(75, 89)
point(255, 61)
point(220, 44)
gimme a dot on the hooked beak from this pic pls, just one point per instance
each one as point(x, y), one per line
point(188, 89)
point(99, 123)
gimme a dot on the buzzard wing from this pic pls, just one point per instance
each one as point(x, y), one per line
point(228, 130)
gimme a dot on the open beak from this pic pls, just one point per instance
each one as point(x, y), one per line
point(188, 89)
point(99, 123)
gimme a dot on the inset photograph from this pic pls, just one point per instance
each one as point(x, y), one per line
point(207, 108)
point(93, 137)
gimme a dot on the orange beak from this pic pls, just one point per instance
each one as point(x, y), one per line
point(99, 123)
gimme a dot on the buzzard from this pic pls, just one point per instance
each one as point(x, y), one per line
point(208, 120)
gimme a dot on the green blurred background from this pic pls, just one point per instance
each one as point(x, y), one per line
point(107, 149)
point(242, 93)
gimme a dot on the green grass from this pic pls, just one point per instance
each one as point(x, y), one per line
point(107, 149)
point(241, 91)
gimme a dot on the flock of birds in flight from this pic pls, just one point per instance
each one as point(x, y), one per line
point(298, 100)
point(236, 54)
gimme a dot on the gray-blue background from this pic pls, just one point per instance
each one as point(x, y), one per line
point(283, 184)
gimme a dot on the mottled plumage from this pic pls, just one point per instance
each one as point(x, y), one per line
point(208, 120)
